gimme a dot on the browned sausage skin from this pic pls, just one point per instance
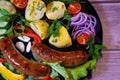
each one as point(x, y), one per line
point(68, 59)
point(21, 63)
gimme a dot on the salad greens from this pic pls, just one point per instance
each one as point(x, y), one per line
point(12, 19)
point(54, 27)
point(94, 49)
point(80, 71)
point(57, 69)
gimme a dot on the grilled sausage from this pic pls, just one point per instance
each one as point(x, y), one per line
point(68, 59)
point(21, 63)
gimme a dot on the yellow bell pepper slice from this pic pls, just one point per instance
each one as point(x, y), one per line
point(8, 75)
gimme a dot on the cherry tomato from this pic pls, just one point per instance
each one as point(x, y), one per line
point(83, 38)
point(46, 78)
point(28, 32)
point(74, 7)
point(20, 3)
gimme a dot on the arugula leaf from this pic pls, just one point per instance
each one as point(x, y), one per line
point(73, 73)
point(58, 68)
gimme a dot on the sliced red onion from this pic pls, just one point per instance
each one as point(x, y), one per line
point(75, 17)
point(83, 23)
point(82, 18)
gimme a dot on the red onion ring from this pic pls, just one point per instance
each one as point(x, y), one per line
point(79, 19)
point(83, 23)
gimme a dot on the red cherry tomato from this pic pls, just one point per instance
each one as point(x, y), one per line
point(83, 38)
point(46, 78)
point(20, 3)
point(29, 32)
point(74, 7)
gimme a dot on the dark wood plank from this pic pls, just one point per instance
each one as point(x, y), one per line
point(110, 17)
point(108, 67)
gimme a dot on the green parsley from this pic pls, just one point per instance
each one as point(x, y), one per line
point(94, 49)
point(54, 28)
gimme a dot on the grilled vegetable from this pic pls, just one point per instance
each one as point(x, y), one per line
point(61, 41)
point(7, 6)
point(55, 10)
point(35, 10)
point(40, 27)
point(8, 75)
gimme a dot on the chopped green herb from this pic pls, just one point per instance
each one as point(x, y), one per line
point(67, 15)
point(54, 9)
point(54, 28)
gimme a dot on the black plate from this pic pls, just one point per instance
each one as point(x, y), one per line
point(87, 8)
point(99, 32)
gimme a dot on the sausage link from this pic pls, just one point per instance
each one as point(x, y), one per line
point(21, 63)
point(68, 59)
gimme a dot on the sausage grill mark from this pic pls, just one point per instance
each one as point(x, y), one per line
point(21, 63)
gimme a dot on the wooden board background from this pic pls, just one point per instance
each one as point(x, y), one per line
point(108, 67)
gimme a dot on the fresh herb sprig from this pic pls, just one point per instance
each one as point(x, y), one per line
point(54, 28)
point(12, 19)
point(94, 49)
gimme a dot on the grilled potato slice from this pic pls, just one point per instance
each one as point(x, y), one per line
point(40, 27)
point(61, 41)
point(35, 10)
point(55, 10)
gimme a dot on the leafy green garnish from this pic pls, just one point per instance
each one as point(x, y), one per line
point(82, 70)
point(74, 73)
point(94, 49)
point(54, 28)
point(67, 15)
point(58, 68)
point(12, 19)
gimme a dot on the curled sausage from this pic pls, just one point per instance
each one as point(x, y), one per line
point(68, 59)
point(21, 63)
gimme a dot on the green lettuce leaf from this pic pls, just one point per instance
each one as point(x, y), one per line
point(82, 70)
point(74, 73)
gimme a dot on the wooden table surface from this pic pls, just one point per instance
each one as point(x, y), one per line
point(108, 67)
